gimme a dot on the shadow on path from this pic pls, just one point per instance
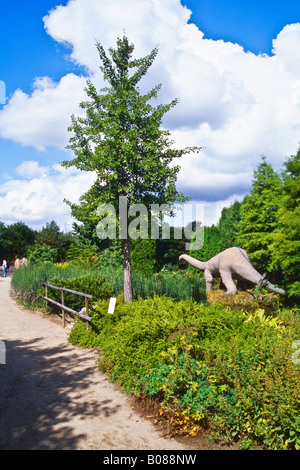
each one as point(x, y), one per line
point(40, 392)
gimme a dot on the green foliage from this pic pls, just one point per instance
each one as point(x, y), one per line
point(143, 255)
point(80, 253)
point(112, 257)
point(42, 254)
point(210, 246)
point(121, 140)
point(51, 236)
point(204, 364)
point(16, 240)
point(168, 250)
point(207, 365)
point(26, 282)
point(88, 282)
point(286, 246)
point(221, 236)
point(101, 281)
point(19, 241)
point(228, 226)
point(259, 216)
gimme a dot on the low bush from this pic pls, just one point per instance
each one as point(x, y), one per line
point(87, 282)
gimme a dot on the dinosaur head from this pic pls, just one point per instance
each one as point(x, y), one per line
point(270, 287)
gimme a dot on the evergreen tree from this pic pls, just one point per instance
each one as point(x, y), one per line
point(210, 246)
point(52, 237)
point(259, 216)
point(286, 246)
point(143, 255)
point(121, 140)
point(169, 250)
point(228, 226)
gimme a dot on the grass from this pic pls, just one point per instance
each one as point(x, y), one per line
point(27, 287)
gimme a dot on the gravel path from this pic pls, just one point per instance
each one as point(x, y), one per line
point(53, 396)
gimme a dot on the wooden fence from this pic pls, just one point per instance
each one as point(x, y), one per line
point(62, 305)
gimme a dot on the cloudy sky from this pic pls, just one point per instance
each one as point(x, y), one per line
point(235, 67)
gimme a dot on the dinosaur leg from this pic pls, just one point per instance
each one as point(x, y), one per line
point(209, 280)
point(228, 282)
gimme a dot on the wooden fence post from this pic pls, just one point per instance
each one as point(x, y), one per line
point(87, 311)
point(46, 295)
point(62, 310)
point(62, 305)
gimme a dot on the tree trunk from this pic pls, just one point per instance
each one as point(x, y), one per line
point(127, 271)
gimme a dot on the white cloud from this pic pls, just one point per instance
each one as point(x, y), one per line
point(30, 170)
point(42, 118)
point(38, 196)
point(237, 105)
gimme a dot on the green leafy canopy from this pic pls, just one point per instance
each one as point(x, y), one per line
point(121, 139)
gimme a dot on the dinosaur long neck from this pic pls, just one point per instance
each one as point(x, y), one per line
point(194, 262)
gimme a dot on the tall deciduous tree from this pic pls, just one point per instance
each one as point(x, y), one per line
point(259, 215)
point(122, 141)
point(286, 246)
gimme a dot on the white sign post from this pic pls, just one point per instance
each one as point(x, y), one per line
point(112, 304)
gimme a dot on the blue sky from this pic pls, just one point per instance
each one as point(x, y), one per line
point(252, 24)
point(229, 81)
point(28, 51)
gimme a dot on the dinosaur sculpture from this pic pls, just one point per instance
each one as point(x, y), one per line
point(233, 263)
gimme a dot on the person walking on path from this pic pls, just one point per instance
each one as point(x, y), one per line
point(4, 268)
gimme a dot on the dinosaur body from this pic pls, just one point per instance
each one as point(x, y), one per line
point(230, 264)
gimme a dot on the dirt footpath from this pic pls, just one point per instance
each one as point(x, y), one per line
point(53, 397)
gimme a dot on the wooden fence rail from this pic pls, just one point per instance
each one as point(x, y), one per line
point(63, 306)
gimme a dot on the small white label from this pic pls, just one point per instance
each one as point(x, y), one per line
point(112, 304)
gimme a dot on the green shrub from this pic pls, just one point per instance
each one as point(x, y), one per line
point(205, 364)
point(87, 282)
point(238, 375)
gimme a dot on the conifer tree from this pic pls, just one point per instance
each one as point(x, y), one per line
point(228, 226)
point(121, 140)
point(259, 216)
point(286, 246)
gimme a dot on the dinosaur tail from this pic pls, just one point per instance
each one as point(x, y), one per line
point(193, 261)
